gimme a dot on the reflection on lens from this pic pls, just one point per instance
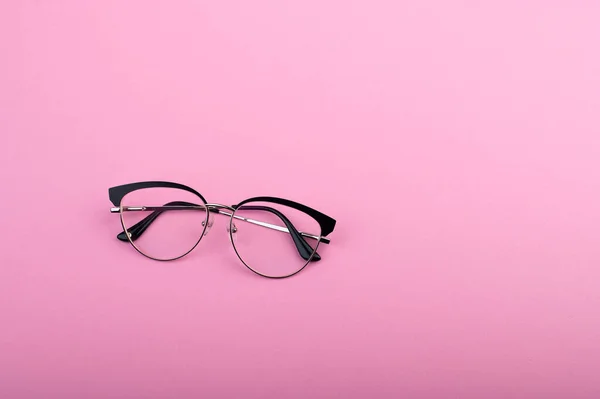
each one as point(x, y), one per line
point(267, 238)
point(170, 231)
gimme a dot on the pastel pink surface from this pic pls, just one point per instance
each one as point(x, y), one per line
point(456, 143)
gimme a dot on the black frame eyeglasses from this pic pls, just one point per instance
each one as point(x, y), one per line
point(273, 237)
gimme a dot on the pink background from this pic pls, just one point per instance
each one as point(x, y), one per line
point(456, 143)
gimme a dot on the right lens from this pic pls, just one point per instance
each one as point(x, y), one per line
point(163, 223)
point(274, 240)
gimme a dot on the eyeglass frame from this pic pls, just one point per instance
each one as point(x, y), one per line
point(326, 223)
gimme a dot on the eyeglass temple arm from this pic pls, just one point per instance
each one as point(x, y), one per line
point(304, 249)
point(138, 229)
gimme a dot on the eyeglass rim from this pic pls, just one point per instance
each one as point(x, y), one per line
point(231, 229)
point(206, 221)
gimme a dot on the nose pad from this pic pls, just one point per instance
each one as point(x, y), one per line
point(209, 225)
point(232, 230)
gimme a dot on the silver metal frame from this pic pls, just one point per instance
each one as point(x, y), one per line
point(224, 210)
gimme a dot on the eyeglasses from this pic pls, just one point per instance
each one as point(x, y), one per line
point(273, 237)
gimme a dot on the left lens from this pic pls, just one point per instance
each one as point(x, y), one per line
point(163, 223)
point(274, 240)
